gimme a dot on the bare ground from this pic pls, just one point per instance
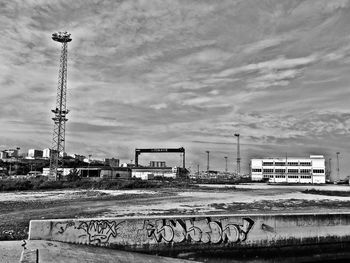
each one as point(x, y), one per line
point(17, 209)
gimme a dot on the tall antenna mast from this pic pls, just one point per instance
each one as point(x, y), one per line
point(58, 140)
point(238, 155)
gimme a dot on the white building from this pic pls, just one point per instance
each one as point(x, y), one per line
point(3, 155)
point(78, 157)
point(289, 170)
point(46, 153)
point(33, 153)
point(146, 173)
point(63, 171)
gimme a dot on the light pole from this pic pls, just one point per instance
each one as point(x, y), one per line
point(225, 164)
point(207, 162)
point(18, 148)
point(330, 168)
point(88, 174)
point(238, 155)
point(338, 164)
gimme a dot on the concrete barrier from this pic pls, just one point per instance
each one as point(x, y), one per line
point(193, 233)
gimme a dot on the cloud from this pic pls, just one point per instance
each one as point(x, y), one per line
point(173, 73)
point(265, 44)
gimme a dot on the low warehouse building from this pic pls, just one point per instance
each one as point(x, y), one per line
point(147, 173)
point(105, 172)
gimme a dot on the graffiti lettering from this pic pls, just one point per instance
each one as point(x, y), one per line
point(204, 230)
point(100, 231)
point(159, 231)
point(63, 226)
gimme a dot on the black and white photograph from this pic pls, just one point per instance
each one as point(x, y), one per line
point(213, 131)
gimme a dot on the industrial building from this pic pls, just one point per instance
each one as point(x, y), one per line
point(148, 173)
point(289, 170)
point(105, 172)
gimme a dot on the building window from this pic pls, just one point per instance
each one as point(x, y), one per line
point(293, 177)
point(268, 170)
point(305, 176)
point(305, 171)
point(267, 163)
point(280, 163)
point(305, 163)
point(280, 176)
point(318, 171)
point(256, 170)
point(292, 163)
point(292, 170)
point(280, 170)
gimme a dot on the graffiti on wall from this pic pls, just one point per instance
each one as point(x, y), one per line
point(100, 231)
point(153, 231)
point(203, 230)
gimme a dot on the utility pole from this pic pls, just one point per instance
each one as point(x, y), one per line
point(198, 169)
point(330, 168)
point(225, 164)
point(338, 164)
point(207, 162)
point(58, 140)
point(238, 155)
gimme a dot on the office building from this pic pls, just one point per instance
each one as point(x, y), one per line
point(289, 170)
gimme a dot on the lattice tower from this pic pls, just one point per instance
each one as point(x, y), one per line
point(59, 130)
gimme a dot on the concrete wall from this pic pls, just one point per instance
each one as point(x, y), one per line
point(174, 233)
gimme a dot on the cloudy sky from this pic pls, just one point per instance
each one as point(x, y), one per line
point(180, 73)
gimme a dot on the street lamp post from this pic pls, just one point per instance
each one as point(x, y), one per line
point(225, 164)
point(207, 162)
point(330, 169)
point(88, 175)
point(338, 171)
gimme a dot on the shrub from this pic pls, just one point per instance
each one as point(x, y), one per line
point(51, 185)
point(15, 185)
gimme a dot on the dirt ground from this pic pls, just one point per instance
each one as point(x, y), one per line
point(18, 208)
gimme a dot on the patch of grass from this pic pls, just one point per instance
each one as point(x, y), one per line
point(327, 192)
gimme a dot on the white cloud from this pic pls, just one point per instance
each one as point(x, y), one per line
point(139, 65)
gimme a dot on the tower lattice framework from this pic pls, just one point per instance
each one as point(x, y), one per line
point(59, 130)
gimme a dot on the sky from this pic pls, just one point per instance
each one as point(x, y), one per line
point(176, 73)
